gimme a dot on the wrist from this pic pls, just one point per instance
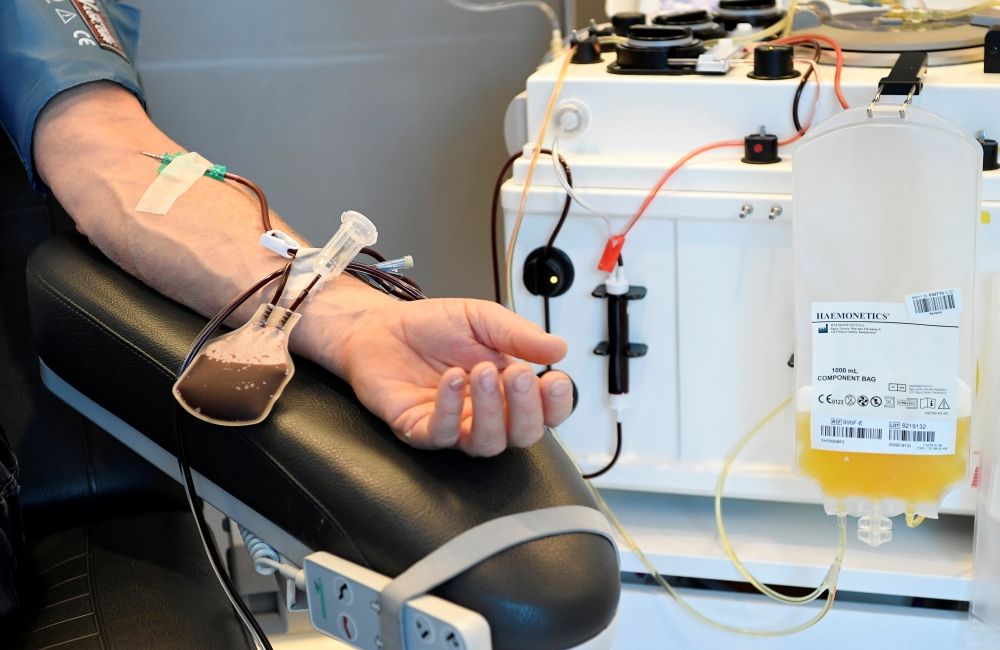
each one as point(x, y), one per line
point(333, 318)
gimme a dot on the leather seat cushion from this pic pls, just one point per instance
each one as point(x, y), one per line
point(133, 582)
point(321, 466)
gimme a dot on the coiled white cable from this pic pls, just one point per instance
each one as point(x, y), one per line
point(259, 550)
point(266, 561)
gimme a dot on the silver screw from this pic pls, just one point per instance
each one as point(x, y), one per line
point(775, 212)
point(745, 210)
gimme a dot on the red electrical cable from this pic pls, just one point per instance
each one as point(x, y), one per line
point(680, 163)
point(804, 38)
point(615, 243)
point(614, 246)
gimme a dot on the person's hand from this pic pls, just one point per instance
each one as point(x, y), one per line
point(441, 373)
point(437, 371)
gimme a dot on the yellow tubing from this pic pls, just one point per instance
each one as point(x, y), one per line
point(531, 173)
point(829, 583)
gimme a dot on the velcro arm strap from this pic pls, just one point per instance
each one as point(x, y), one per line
point(473, 547)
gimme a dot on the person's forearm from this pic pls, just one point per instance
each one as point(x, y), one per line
point(441, 373)
point(204, 250)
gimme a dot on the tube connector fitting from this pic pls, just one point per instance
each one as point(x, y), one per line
point(356, 232)
point(397, 265)
point(618, 402)
point(875, 529)
point(617, 283)
point(556, 44)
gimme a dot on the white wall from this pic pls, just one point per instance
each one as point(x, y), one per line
point(394, 109)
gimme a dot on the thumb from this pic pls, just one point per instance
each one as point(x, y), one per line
point(505, 331)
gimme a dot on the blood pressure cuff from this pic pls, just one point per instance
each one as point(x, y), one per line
point(48, 46)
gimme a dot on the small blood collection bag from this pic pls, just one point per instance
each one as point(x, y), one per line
point(237, 377)
point(887, 203)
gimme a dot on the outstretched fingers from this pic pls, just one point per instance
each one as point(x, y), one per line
point(524, 405)
point(488, 434)
point(442, 428)
point(557, 397)
point(485, 411)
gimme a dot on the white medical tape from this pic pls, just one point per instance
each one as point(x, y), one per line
point(474, 546)
point(301, 275)
point(175, 179)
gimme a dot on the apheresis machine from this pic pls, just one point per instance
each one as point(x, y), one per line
point(771, 238)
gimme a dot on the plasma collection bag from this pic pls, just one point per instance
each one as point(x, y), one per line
point(886, 212)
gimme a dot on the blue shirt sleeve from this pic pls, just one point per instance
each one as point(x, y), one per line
point(48, 46)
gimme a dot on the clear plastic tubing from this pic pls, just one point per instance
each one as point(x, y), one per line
point(356, 232)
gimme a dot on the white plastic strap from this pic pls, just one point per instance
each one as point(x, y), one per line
point(175, 179)
point(472, 547)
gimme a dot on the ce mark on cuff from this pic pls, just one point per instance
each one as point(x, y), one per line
point(82, 36)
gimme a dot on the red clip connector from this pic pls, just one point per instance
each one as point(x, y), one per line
point(611, 253)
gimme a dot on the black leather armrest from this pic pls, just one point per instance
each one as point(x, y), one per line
point(321, 467)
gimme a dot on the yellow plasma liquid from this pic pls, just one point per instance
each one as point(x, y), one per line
point(913, 479)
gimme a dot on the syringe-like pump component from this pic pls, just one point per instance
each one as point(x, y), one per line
point(618, 348)
point(356, 232)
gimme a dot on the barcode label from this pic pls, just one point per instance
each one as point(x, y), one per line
point(907, 435)
point(878, 434)
point(933, 303)
point(863, 433)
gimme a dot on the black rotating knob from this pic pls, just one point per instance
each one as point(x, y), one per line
point(700, 21)
point(684, 18)
point(548, 275)
point(758, 13)
point(746, 5)
point(621, 22)
point(659, 35)
point(650, 47)
point(760, 149)
point(989, 154)
point(771, 62)
point(588, 51)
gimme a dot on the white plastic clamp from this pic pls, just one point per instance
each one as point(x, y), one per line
point(278, 242)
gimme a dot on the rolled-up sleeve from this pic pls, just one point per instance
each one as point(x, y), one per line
point(48, 46)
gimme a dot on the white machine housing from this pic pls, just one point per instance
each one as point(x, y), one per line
point(719, 314)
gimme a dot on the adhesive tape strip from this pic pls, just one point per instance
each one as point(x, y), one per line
point(302, 274)
point(175, 179)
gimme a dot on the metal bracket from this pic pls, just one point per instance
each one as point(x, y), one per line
point(633, 351)
point(905, 78)
point(633, 293)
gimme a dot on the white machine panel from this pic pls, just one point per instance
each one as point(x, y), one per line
point(718, 316)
